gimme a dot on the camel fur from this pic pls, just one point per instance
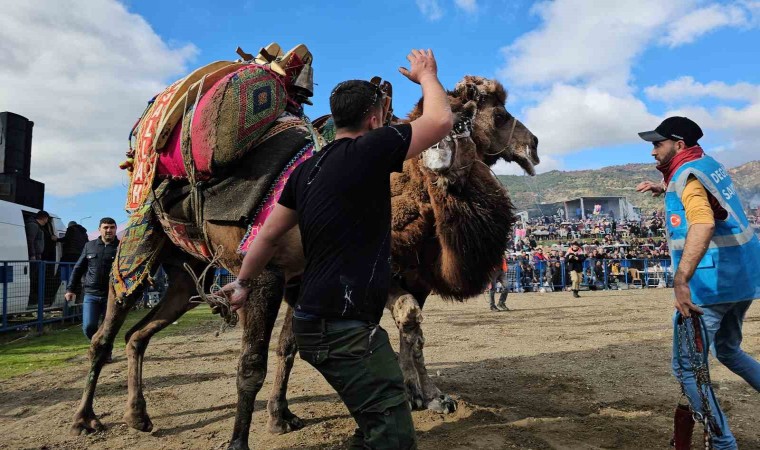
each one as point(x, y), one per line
point(429, 259)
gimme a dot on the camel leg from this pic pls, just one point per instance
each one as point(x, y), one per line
point(407, 314)
point(281, 420)
point(423, 393)
point(85, 420)
point(172, 307)
point(261, 313)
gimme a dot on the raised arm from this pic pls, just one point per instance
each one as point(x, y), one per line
point(436, 119)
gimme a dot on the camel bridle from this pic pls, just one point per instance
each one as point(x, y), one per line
point(509, 139)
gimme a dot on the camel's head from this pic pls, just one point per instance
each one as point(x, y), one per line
point(452, 157)
point(497, 133)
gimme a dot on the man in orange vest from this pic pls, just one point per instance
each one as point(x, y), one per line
point(499, 275)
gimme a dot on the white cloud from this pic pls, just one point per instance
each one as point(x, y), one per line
point(701, 21)
point(431, 9)
point(586, 41)
point(737, 128)
point(469, 6)
point(548, 163)
point(685, 88)
point(577, 66)
point(570, 118)
point(83, 78)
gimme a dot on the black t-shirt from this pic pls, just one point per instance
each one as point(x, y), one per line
point(343, 199)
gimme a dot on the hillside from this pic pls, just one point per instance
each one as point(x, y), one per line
point(556, 185)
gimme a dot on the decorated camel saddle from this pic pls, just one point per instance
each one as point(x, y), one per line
point(226, 122)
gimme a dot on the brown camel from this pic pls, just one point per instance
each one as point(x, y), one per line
point(453, 225)
point(449, 229)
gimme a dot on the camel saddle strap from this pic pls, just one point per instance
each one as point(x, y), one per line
point(683, 428)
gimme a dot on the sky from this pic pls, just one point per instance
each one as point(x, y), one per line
point(584, 75)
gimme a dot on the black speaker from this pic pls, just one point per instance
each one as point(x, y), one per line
point(15, 188)
point(15, 144)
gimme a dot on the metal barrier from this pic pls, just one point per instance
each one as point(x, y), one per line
point(32, 294)
point(632, 273)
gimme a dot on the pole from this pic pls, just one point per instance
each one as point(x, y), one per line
point(40, 294)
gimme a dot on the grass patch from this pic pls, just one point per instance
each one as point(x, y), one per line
point(56, 348)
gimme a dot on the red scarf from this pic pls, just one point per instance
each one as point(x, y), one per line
point(687, 155)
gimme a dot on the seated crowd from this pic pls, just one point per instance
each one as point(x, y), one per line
point(612, 259)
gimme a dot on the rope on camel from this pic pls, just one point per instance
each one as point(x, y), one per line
point(218, 302)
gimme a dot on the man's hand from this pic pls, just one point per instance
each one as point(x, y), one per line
point(649, 186)
point(422, 65)
point(70, 296)
point(683, 299)
point(237, 293)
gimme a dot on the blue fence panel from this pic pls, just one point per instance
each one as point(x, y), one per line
point(33, 294)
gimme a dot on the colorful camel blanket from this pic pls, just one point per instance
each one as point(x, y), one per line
point(273, 196)
point(138, 248)
point(227, 112)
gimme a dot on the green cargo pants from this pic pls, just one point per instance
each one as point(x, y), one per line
point(357, 360)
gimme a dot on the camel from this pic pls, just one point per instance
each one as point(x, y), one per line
point(432, 230)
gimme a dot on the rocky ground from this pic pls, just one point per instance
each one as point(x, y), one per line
point(555, 373)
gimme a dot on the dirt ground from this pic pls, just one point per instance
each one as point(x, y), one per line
point(555, 373)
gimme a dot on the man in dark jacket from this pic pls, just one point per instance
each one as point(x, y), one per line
point(36, 238)
point(73, 242)
point(95, 264)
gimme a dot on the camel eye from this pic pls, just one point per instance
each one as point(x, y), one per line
point(501, 116)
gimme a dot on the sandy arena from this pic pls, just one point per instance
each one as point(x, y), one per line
point(555, 373)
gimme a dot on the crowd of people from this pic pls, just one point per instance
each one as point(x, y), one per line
point(546, 252)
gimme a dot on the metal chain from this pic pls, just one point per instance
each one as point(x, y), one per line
point(699, 365)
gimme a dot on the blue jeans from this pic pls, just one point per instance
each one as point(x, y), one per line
point(93, 310)
point(723, 327)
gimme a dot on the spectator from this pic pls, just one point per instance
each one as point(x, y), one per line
point(499, 276)
point(73, 242)
point(558, 282)
point(528, 278)
point(35, 236)
point(538, 256)
point(599, 274)
point(574, 260)
point(40, 242)
point(95, 264)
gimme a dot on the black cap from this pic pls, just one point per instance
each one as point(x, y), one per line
point(675, 128)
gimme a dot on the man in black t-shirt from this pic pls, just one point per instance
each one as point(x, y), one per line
point(341, 200)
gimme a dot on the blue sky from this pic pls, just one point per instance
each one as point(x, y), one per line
point(584, 75)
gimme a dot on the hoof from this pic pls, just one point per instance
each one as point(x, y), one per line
point(238, 445)
point(414, 394)
point(140, 422)
point(443, 404)
point(285, 424)
point(86, 424)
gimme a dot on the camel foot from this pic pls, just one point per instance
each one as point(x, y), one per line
point(86, 423)
point(138, 421)
point(285, 423)
point(414, 395)
point(443, 404)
